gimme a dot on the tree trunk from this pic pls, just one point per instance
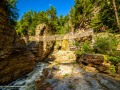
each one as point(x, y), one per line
point(116, 14)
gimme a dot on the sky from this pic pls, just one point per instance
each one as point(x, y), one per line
point(62, 6)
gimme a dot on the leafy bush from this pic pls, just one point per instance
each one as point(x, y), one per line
point(106, 58)
point(114, 53)
point(84, 47)
point(114, 60)
point(112, 69)
point(105, 44)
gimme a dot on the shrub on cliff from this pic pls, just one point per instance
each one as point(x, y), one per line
point(84, 47)
point(105, 44)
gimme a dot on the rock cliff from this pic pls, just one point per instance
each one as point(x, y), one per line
point(15, 59)
point(41, 49)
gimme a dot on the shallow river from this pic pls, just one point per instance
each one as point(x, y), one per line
point(27, 81)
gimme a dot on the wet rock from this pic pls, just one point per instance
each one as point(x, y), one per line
point(108, 82)
point(42, 78)
point(17, 64)
point(55, 67)
point(46, 72)
point(38, 83)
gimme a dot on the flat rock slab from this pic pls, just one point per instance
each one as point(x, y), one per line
point(69, 76)
point(93, 58)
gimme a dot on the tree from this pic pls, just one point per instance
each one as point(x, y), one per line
point(63, 25)
point(116, 14)
point(11, 11)
point(98, 14)
point(53, 19)
point(81, 13)
point(57, 25)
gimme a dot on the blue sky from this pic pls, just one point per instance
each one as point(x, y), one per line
point(62, 6)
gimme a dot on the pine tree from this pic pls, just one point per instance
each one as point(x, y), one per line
point(81, 13)
point(11, 11)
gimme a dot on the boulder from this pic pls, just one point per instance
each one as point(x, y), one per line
point(16, 65)
point(46, 71)
point(101, 68)
point(91, 69)
point(95, 59)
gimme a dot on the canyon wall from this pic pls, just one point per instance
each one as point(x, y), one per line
point(15, 59)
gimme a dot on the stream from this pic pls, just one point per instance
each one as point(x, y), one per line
point(76, 79)
point(27, 81)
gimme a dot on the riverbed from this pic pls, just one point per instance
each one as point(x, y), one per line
point(26, 82)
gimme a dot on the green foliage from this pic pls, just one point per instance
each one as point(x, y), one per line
point(106, 57)
point(112, 69)
point(11, 11)
point(63, 27)
point(84, 47)
point(66, 75)
point(97, 14)
point(81, 13)
point(114, 60)
point(27, 24)
point(105, 16)
point(105, 44)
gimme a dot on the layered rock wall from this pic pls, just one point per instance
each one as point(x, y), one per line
point(7, 34)
point(15, 59)
point(44, 48)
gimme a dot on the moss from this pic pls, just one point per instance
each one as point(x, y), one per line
point(112, 68)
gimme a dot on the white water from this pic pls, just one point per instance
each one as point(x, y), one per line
point(26, 82)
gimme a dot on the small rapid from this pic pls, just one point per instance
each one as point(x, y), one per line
point(26, 82)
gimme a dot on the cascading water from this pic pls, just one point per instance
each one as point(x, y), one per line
point(26, 82)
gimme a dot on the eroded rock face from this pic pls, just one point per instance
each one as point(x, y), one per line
point(17, 63)
point(14, 66)
point(93, 58)
point(44, 48)
point(93, 63)
point(7, 34)
point(15, 59)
